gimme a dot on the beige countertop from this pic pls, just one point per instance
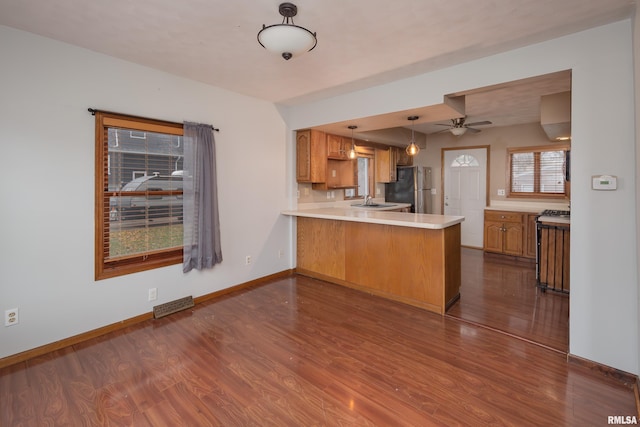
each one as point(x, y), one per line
point(401, 219)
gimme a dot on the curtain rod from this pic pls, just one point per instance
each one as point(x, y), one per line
point(93, 112)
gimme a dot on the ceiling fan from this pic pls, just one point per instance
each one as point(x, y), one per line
point(459, 126)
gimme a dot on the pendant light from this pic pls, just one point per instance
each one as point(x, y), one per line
point(412, 148)
point(287, 39)
point(352, 152)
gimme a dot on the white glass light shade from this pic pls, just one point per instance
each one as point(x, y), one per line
point(287, 40)
point(458, 131)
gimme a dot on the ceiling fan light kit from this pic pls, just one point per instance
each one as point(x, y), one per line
point(287, 39)
point(458, 131)
point(459, 127)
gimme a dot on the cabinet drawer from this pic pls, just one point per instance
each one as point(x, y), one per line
point(502, 216)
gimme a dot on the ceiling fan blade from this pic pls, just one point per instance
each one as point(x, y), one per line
point(473, 130)
point(441, 124)
point(486, 122)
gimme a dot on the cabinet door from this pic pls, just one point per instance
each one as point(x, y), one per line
point(493, 236)
point(336, 147)
point(385, 165)
point(311, 156)
point(403, 158)
point(303, 156)
point(393, 162)
point(512, 243)
point(529, 244)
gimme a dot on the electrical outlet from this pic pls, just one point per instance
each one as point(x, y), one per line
point(153, 294)
point(11, 317)
point(247, 260)
point(280, 253)
point(501, 192)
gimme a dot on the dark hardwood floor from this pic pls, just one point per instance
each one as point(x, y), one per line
point(302, 352)
point(501, 293)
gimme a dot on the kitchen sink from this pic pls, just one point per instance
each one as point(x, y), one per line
point(373, 205)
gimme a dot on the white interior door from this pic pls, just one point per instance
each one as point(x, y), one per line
point(465, 191)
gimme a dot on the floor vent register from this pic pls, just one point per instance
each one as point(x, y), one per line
point(172, 307)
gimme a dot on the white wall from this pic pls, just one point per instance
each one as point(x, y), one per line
point(47, 180)
point(604, 281)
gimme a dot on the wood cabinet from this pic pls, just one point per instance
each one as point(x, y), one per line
point(338, 147)
point(510, 233)
point(386, 161)
point(314, 165)
point(417, 266)
point(402, 158)
point(529, 245)
point(503, 232)
point(311, 156)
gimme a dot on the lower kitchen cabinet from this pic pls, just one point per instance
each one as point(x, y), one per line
point(503, 232)
point(510, 233)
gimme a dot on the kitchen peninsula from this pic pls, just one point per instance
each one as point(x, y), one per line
point(411, 258)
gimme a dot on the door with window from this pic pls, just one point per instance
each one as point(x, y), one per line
point(465, 190)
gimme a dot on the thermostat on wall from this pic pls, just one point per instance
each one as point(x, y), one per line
point(604, 182)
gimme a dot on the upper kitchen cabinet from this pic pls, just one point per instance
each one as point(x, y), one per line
point(386, 161)
point(311, 156)
point(402, 158)
point(314, 165)
point(338, 147)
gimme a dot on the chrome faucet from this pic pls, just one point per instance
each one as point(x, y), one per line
point(367, 199)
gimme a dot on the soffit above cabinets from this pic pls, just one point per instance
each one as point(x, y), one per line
point(506, 104)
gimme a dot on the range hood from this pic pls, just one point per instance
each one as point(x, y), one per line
point(555, 115)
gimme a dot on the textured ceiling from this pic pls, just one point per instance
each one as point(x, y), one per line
point(360, 42)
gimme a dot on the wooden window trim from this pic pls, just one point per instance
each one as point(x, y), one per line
point(536, 195)
point(140, 262)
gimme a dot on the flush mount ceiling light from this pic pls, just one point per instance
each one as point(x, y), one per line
point(287, 39)
point(412, 148)
point(352, 152)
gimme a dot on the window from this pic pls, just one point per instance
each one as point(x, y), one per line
point(537, 171)
point(464, 161)
point(138, 215)
point(364, 174)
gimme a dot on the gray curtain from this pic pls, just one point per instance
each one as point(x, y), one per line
point(200, 212)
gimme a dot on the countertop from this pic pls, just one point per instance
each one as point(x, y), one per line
point(401, 219)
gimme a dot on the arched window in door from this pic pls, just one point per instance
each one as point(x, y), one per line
point(464, 160)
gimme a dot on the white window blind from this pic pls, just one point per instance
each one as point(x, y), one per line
point(537, 171)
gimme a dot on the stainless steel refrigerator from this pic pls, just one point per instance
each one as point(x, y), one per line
point(413, 186)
